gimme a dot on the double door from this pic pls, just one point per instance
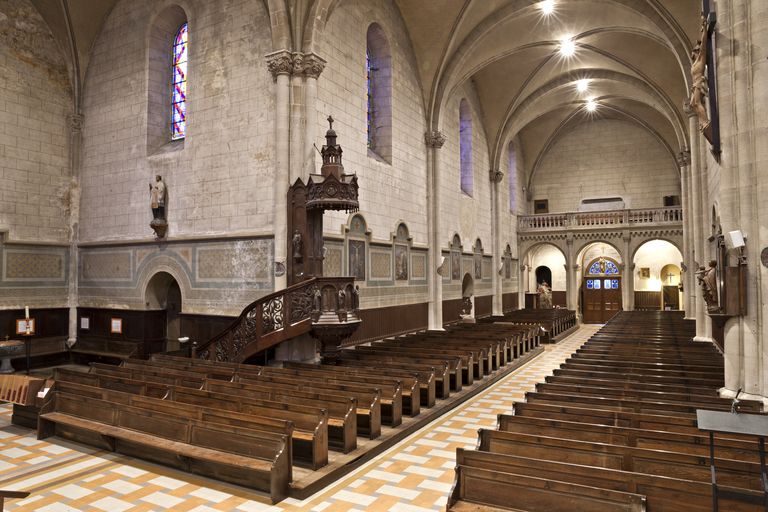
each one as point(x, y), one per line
point(601, 299)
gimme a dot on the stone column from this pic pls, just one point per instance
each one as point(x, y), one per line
point(571, 286)
point(687, 265)
point(699, 252)
point(523, 285)
point(297, 119)
point(628, 286)
point(495, 178)
point(75, 148)
point(434, 141)
point(313, 66)
point(280, 64)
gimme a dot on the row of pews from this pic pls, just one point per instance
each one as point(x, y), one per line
point(615, 429)
point(252, 425)
point(555, 323)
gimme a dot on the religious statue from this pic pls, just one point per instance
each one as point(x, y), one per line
point(157, 193)
point(317, 297)
point(342, 299)
point(545, 296)
point(298, 246)
point(356, 299)
point(699, 87)
point(708, 280)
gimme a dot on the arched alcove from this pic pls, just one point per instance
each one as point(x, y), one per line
point(164, 293)
point(657, 275)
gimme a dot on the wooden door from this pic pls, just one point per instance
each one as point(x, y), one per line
point(671, 297)
point(602, 299)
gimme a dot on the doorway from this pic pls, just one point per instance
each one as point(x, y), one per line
point(601, 291)
point(163, 301)
point(544, 274)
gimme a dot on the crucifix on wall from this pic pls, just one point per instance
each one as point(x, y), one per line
point(669, 277)
point(703, 80)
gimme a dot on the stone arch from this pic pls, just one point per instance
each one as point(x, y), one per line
point(169, 264)
point(280, 24)
point(580, 247)
point(637, 243)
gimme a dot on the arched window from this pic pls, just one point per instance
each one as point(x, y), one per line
point(465, 146)
point(179, 85)
point(512, 178)
point(378, 73)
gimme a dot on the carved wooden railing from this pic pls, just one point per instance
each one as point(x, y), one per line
point(279, 316)
point(608, 219)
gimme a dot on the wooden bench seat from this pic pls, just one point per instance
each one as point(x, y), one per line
point(368, 408)
point(627, 384)
point(483, 487)
point(441, 368)
point(427, 375)
point(391, 390)
point(665, 494)
point(632, 376)
point(640, 460)
point(471, 360)
point(411, 382)
point(106, 348)
point(342, 411)
point(236, 454)
point(486, 354)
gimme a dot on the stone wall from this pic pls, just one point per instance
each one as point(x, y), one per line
point(606, 158)
point(219, 177)
point(35, 102)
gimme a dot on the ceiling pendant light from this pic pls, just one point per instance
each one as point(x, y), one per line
point(547, 7)
point(582, 85)
point(567, 47)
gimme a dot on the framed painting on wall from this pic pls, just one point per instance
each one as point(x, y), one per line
point(116, 325)
point(25, 326)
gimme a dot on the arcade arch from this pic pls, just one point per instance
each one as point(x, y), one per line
point(657, 275)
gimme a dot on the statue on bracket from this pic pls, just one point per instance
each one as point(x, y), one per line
point(707, 278)
point(158, 193)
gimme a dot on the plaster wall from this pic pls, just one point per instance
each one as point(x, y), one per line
point(35, 100)
point(548, 256)
point(606, 158)
point(389, 192)
point(654, 255)
point(220, 178)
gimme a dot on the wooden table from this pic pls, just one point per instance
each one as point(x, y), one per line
point(734, 423)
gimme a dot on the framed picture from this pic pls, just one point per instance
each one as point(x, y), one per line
point(85, 323)
point(645, 272)
point(25, 326)
point(116, 325)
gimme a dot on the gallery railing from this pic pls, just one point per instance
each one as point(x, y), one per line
point(282, 315)
point(608, 219)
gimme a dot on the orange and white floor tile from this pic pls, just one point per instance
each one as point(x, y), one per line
point(413, 476)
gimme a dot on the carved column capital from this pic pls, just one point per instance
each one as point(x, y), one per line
point(495, 176)
point(75, 122)
point(434, 139)
point(280, 63)
point(684, 158)
point(313, 65)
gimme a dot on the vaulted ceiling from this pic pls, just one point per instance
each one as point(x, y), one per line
point(633, 56)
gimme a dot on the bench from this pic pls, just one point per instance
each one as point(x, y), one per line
point(235, 454)
point(105, 348)
point(441, 369)
point(483, 490)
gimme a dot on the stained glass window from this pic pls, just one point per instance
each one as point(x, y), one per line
point(610, 267)
point(603, 266)
point(597, 284)
point(590, 284)
point(179, 85)
point(607, 284)
point(369, 85)
point(614, 284)
point(595, 268)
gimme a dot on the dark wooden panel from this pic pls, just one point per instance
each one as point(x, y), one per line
point(647, 301)
point(509, 302)
point(451, 310)
point(201, 328)
point(145, 328)
point(483, 306)
point(48, 322)
point(559, 299)
point(378, 323)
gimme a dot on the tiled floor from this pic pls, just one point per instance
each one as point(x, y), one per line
point(415, 475)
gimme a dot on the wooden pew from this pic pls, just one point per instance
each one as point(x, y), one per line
point(104, 348)
point(471, 366)
point(368, 408)
point(664, 494)
point(483, 490)
point(441, 368)
point(411, 382)
point(390, 391)
point(11, 495)
point(653, 462)
point(235, 454)
point(342, 411)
